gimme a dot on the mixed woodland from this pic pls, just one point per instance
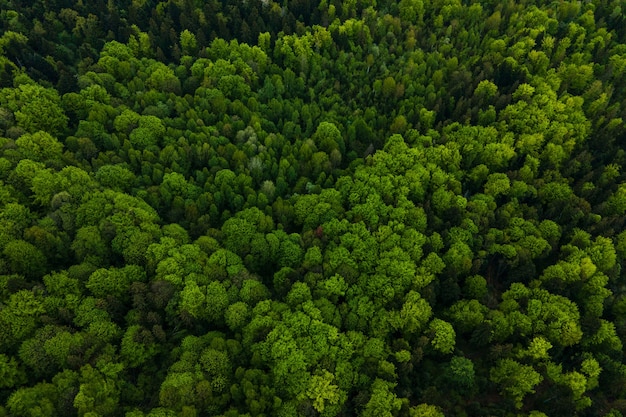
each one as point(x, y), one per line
point(338, 208)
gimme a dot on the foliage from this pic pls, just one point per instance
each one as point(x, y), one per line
point(368, 208)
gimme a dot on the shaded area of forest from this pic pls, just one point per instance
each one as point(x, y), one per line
point(312, 209)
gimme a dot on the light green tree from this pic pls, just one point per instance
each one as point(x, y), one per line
point(40, 146)
point(322, 391)
point(443, 336)
point(383, 401)
point(515, 380)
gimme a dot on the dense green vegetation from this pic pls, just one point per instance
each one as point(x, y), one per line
point(344, 208)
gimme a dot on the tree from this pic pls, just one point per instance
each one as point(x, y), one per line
point(467, 315)
point(217, 367)
point(10, 373)
point(177, 390)
point(99, 390)
point(114, 282)
point(89, 246)
point(237, 315)
point(50, 350)
point(497, 184)
point(515, 380)
point(138, 346)
point(461, 373)
point(425, 410)
point(223, 264)
point(486, 90)
point(389, 87)
point(383, 402)
point(289, 363)
point(37, 401)
point(322, 391)
point(69, 182)
point(126, 121)
point(253, 291)
point(162, 78)
point(206, 302)
point(148, 134)
point(40, 146)
point(26, 259)
point(116, 177)
point(411, 11)
point(193, 300)
point(328, 138)
point(238, 234)
point(443, 336)
point(15, 219)
point(35, 108)
point(413, 316)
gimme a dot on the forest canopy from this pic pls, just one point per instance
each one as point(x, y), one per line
point(360, 208)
